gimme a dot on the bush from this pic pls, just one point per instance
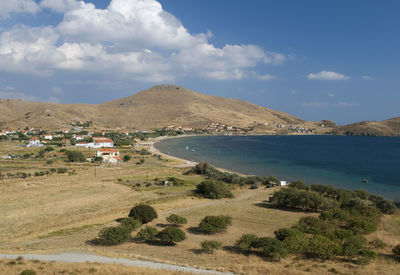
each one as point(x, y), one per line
point(366, 256)
point(352, 245)
point(62, 170)
point(131, 224)
point(214, 189)
point(75, 156)
point(147, 234)
point(48, 149)
point(323, 248)
point(396, 250)
point(171, 235)
point(28, 272)
point(127, 158)
point(271, 248)
point(246, 242)
point(114, 235)
point(313, 225)
point(299, 184)
point(215, 224)
point(176, 181)
point(144, 213)
point(378, 243)
point(294, 240)
point(176, 220)
point(209, 246)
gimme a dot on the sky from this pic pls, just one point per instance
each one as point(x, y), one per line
point(336, 60)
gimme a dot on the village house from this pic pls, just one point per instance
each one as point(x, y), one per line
point(65, 142)
point(110, 156)
point(48, 137)
point(34, 142)
point(78, 137)
point(98, 142)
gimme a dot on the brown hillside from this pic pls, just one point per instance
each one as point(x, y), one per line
point(157, 107)
point(389, 127)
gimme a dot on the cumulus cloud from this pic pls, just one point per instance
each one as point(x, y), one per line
point(132, 38)
point(367, 77)
point(327, 75)
point(11, 6)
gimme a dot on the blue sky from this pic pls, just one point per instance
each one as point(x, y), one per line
point(335, 60)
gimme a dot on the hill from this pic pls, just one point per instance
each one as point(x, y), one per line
point(156, 107)
point(389, 127)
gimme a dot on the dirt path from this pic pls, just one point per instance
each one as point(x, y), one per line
point(83, 258)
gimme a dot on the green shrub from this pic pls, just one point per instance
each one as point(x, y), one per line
point(114, 235)
point(75, 156)
point(176, 220)
point(144, 213)
point(215, 224)
point(313, 225)
point(131, 224)
point(176, 181)
point(351, 246)
point(209, 246)
point(378, 243)
point(396, 250)
point(299, 184)
point(48, 149)
point(147, 234)
point(294, 240)
point(171, 235)
point(214, 189)
point(360, 193)
point(271, 248)
point(323, 248)
point(127, 158)
point(62, 170)
point(366, 256)
point(28, 272)
point(246, 242)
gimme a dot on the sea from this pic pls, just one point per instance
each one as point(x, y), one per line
point(343, 161)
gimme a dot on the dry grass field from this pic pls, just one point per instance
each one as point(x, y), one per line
point(62, 212)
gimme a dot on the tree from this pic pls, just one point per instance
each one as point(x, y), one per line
point(147, 234)
point(176, 220)
point(396, 250)
point(144, 213)
point(75, 156)
point(209, 246)
point(126, 158)
point(271, 248)
point(299, 184)
point(294, 240)
point(131, 224)
point(214, 189)
point(113, 235)
point(215, 224)
point(171, 235)
point(246, 242)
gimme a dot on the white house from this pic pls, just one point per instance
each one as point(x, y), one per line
point(110, 156)
point(283, 183)
point(48, 137)
point(34, 142)
point(101, 142)
point(78, 137)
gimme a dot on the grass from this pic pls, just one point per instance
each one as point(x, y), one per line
point(61, 212)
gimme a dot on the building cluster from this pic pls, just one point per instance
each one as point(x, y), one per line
point(179, 129)
point(301, 130)
point(215, 127)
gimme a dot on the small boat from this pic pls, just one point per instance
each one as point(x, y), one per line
point(364, 180)
point(192, 150)
point(187, 148)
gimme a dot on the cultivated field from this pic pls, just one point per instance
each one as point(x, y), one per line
point(64, 211)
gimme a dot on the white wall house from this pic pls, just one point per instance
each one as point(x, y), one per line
point(34, 142)
point(110, 156)
point(48, 137)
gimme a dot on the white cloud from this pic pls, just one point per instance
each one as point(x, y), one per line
point(266, 77)
point(293, 92)
point(331, 94)
point(53, 99)
point(11, 6)
point(57, 90)
point(327, 75)
point(347, 104)
point(136, 39)
point(367, 77)
point(61, 6)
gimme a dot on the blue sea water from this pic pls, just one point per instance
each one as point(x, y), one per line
point(338, 160)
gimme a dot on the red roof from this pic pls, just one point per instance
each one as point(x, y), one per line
point(34, 138)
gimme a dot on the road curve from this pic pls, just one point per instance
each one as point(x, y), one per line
point(83, 258)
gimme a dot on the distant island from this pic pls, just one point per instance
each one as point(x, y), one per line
point(174, 108)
